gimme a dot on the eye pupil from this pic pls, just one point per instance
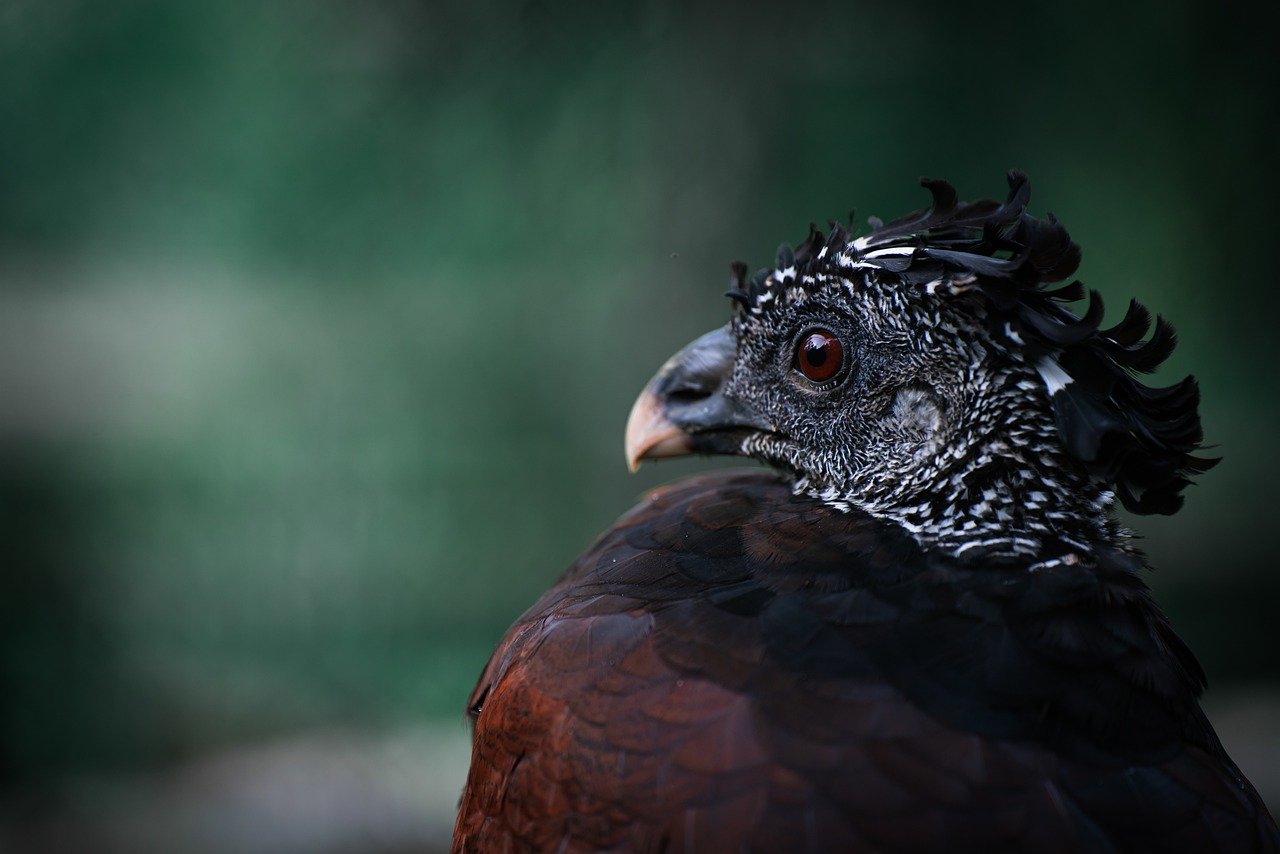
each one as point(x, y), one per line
point(815, 352)
point(820, 355)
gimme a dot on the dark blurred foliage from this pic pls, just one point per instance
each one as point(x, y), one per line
point(319, 321)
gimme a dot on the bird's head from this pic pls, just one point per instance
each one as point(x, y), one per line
point(929, 373)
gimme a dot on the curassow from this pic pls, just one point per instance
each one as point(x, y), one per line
point(925, 630)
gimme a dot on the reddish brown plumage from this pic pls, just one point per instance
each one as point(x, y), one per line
point(733, 668)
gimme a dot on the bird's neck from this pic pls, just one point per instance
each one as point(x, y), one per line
point(990, 490)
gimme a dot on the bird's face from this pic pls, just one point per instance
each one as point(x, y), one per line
point(852, 387)
point(929, 372)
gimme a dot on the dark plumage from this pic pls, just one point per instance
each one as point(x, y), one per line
point(927, 631)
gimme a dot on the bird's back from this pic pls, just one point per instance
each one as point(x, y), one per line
point(733, 667)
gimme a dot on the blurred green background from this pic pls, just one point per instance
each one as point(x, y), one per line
point(319, 324)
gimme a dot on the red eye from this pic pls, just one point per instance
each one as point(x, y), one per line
point(819, 355)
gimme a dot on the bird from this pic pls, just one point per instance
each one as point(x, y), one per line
point(919, 626)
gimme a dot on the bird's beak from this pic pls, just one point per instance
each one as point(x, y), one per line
point(684, 409)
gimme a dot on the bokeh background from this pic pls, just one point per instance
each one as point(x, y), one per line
point(319, 324)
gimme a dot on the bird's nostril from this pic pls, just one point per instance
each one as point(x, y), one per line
point(687, 395)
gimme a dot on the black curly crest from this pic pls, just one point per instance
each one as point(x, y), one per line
point(1139, 438)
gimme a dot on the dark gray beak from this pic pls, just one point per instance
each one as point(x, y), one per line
point(684, 409)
